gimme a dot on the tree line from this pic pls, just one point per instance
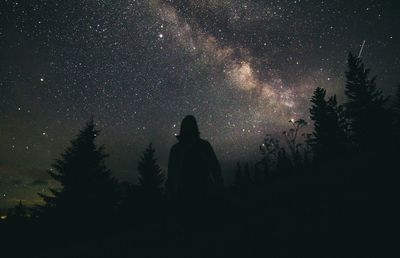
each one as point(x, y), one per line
point(307, 193)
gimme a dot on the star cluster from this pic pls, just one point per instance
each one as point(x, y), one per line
point(243, 68)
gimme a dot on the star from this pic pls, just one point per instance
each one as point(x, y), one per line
point(140, 66)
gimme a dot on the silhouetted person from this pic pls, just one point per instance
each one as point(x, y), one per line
point(194, 172)
point(194, 179)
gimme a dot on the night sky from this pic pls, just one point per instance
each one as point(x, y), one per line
point(243, 68)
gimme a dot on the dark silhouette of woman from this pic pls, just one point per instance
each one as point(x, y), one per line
point(194, 173)
point(194, 179)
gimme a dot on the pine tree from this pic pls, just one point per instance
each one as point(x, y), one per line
point(88, 190)
point(151, 177)
point(328, 138)
point(150, 191)
point(365, 106)
point(19, 212)
point(319, 114)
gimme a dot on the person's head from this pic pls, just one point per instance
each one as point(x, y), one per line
point(189, 129)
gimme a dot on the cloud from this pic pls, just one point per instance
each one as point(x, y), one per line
point(17, 172)
point(39, 182)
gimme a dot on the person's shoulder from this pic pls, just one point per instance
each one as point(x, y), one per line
point(175, 147)
point(205, 143)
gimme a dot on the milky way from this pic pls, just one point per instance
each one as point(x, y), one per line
point(243, 68)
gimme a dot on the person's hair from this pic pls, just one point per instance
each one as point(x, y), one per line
point(189, 129)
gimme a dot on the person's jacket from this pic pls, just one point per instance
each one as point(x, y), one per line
point(193, 170)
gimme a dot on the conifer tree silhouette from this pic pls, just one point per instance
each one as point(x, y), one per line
point(88, 190)
point(151, 177)
point(150, 188)
point(365, 106)
point(19, 212)
point(328, 138)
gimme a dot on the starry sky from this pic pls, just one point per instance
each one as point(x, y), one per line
point(243, 68)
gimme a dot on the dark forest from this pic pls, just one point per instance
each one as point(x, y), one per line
point(330, 192)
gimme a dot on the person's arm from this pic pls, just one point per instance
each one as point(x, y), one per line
point(215, 167)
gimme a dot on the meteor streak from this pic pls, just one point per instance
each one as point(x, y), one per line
point(361, 50)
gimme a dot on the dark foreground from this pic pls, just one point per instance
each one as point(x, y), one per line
point(289, 218)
